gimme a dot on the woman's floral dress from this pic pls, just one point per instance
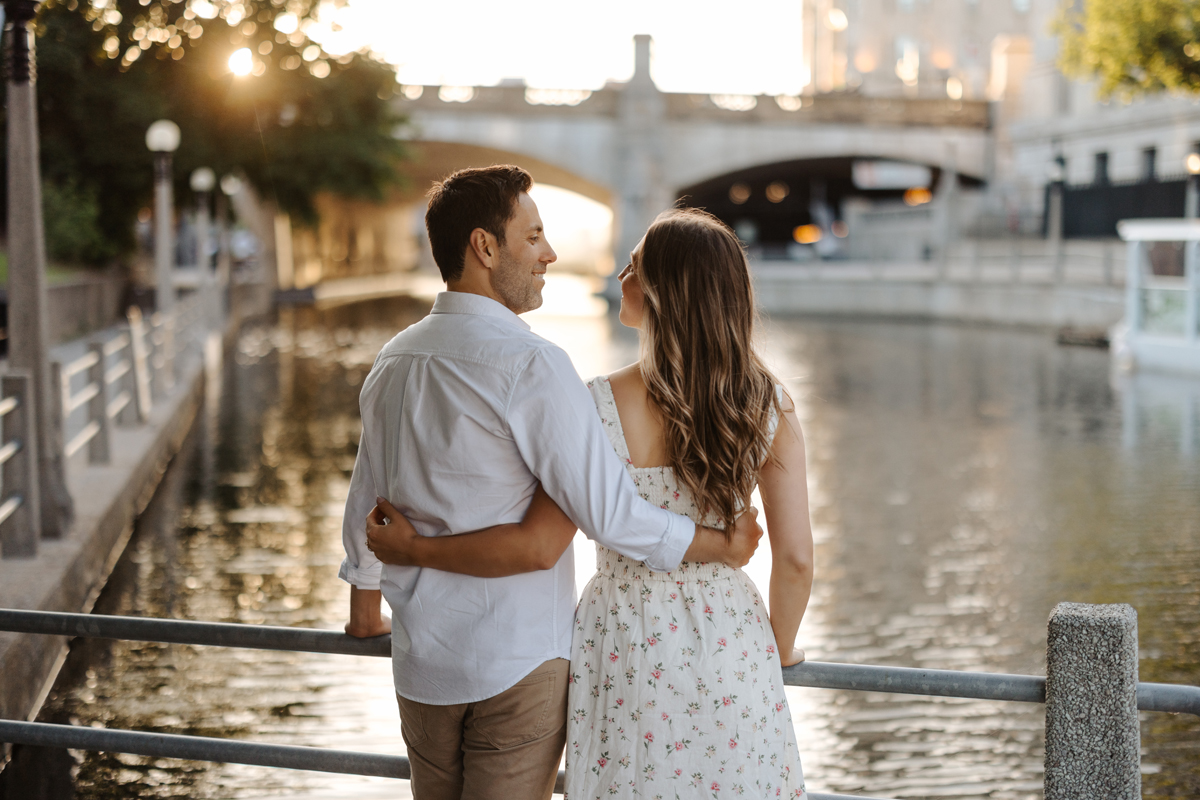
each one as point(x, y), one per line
point(676, 689)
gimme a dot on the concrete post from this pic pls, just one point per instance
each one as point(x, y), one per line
point(138, 353)
point(19, 475)
point(640, 187)
point(1093, 740)
point(1054, 227)
point(1133, 287)
point(285, 264)
point(946, 210)
point(27, 329)
point(164, 234)
point(100, 447)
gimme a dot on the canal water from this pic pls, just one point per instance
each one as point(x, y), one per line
point(963, 481)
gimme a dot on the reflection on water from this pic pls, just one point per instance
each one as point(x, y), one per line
point(963, 481)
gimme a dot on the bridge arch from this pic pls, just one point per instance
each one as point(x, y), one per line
point(714, 151)
point(773, 199)
point(433, 160)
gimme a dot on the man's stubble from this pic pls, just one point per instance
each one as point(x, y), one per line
point(514, 283)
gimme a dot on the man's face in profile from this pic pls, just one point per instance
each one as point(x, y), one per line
point(524, 257)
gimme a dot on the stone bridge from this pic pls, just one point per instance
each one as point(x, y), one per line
point(637, 149)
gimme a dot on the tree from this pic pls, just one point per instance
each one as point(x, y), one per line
point(302, 122)
point(1131, 46)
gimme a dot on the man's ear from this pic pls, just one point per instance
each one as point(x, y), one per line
point(484, 246)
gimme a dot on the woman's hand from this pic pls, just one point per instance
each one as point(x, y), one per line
point(390, 536)
point(795, 658)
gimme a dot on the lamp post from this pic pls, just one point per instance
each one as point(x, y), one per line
point(1191, 203)
point(1056, 173)
point(1191, 260)
point(202, 182)
point(27, 332)
point(230, 186)
point(162, 139)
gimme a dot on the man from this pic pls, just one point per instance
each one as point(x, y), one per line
point(464, 414)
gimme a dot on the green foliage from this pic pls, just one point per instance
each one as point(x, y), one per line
point(72, 224)
point(1131, 46)
point(107, 69)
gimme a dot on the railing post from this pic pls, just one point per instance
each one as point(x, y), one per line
point(129, 414)
point(167, 368)
point(60, 392)
point(99, 451)
point(1133, 286)
point(19, 475)
point(141, 365)
point(1093, 741)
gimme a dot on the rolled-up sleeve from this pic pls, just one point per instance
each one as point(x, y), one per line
point(360, 567)
point(553, 420)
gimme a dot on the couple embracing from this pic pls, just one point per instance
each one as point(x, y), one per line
point(481, 454)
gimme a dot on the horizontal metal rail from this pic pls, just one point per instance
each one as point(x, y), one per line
point(9, 450)
point(907, 680)
point(9, 506)
point(231, 751)
point(214, 634)
point(116, 344)
point(117, 404)
point(117, 372)
point(813, 674)
point(74, 401)
point(79, 365)
point(8, 404)
point(203, 748)
point(84, 436)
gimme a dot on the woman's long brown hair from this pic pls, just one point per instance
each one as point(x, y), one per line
point(713, 392)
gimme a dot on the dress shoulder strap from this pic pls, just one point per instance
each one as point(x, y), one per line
point(606, 407)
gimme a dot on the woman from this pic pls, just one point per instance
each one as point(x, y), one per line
point(676, 684)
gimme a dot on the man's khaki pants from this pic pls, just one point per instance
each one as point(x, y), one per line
point(506, 747)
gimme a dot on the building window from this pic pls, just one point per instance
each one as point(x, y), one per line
point(1149, 163)
point(1101, 168)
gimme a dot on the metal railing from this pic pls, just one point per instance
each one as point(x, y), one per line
point(123, 374)
point(813, 674)
point(18, 468)
point(124, 370)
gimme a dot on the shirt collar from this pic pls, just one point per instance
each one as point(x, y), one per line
point(477, 304)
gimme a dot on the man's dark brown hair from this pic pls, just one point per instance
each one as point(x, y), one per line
point(471, 198)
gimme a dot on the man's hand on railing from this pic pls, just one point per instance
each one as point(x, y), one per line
point(365, 617)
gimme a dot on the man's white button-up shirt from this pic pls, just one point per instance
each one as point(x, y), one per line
point(463, 414)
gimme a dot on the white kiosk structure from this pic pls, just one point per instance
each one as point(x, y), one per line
point(1161, 330)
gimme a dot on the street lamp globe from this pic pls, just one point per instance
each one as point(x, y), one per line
point(203, 180)
point(1056, 171)
point(1193, 163)
point(231, 185)
point(162, 136)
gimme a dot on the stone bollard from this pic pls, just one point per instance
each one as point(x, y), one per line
point(1093, 741)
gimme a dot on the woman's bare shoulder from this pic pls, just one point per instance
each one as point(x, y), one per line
point(626, 376)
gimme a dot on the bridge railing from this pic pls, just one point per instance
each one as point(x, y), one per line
point(122, 372)
point(124, 369)
point(1088, 664)
point(18, 468)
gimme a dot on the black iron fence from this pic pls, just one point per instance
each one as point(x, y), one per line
point(1092, 210)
